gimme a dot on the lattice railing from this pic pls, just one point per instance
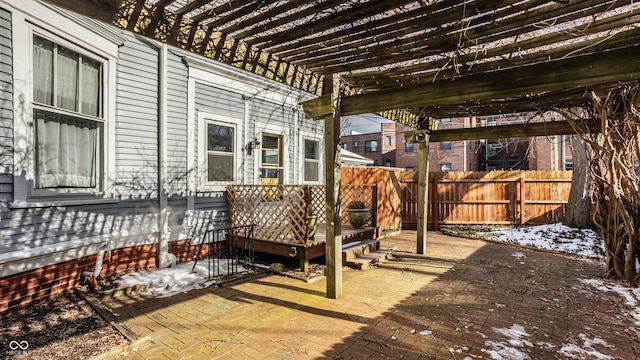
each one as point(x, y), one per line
point(279, 212)
point(366, 193)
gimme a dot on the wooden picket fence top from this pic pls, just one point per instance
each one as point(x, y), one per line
point(494, 198)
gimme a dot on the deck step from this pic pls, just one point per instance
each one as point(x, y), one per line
point(355, 249)
point(365, 261)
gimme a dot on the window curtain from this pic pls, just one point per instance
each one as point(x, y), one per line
point(90, 95)
point(43, 71)
point(66, 146)
point(67, 79)
point(66, 151)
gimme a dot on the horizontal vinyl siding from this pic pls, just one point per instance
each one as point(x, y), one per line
point(26, 229)
point(211, 212)
point(176, 128)
point(137, 121)
point(218, 101)
point(6, 112)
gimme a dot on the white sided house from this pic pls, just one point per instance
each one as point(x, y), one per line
point(115, 150)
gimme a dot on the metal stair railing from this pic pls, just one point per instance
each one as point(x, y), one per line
point(225, 260)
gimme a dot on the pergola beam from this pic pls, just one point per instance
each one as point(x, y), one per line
point(607, 67)
point(502, 131)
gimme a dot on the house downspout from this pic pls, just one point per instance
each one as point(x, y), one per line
point(245, 142)
point(164, 258)
point(297, 146)
point(104, 247)
point(163, 215)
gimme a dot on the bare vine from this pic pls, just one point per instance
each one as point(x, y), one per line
point(615, 194)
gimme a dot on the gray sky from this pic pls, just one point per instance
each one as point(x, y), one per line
point(366, 123)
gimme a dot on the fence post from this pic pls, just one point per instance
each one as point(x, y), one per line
point(522, 199)
point(374, 206)
point(435, 213)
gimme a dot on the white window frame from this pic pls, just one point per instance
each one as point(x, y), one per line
point(205, 118)
point(310, 136)
point(29, 18)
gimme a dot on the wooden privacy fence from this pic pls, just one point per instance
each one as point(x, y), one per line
point(388, 202)
point(496, 197)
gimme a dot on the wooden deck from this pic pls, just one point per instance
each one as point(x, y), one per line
point(314, 248)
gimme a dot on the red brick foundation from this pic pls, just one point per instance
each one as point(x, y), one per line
point(23, 289)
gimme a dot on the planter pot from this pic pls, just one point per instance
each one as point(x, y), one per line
point(358, 217)
point(312, 226)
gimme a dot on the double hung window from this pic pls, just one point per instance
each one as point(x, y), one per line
point(68, 117)
point(311, 160)
point(220, 152)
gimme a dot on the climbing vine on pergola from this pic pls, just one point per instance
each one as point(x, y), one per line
point(615, 193)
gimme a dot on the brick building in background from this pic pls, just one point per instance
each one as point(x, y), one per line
point(388, 148)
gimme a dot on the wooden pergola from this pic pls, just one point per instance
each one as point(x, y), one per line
point(410, 61)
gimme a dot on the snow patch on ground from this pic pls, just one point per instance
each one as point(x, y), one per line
point(557, 237)
point(630, 295)
point(175, 280)
point(574, 351)
point(508, 350)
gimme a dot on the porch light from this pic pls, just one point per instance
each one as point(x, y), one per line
point(255, 144)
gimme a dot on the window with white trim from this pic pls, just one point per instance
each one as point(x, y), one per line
point(218, 144)
point(220, 152)
point(68, 116)
point(311, 160)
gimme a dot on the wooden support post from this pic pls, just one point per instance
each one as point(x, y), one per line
point(333, 246)
point(522, 199)
point(304, 265)
point(423, 188)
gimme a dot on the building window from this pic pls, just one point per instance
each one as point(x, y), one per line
point(569, 166)
point(444, 167)
point(410, 168)
point(68, 117)
point(387, 140)
point(445, 145)
point(220, 152)
point(408, 147)
point(311, 160)
point(489, 121)
point(445, 121)
point(371, 146)
point(344, 146)
point(387, 163)
point(271, 160)
point(355, 144)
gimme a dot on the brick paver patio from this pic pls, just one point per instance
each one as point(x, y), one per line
point(455, 302)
